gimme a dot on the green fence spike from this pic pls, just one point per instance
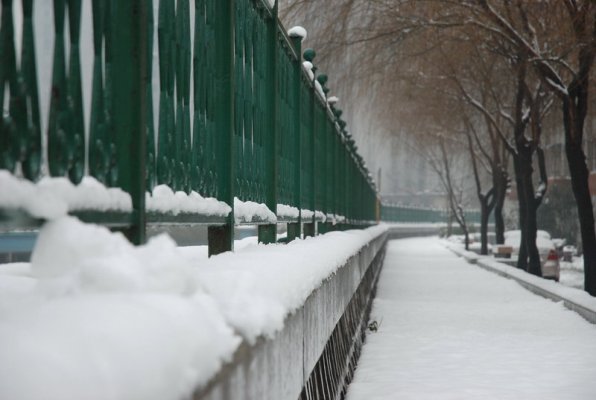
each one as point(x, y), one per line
point(31, 160)
point(59, 150)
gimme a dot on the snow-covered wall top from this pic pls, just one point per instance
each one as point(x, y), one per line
point(94, 317)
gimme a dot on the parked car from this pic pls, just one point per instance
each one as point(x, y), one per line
point(549, 258)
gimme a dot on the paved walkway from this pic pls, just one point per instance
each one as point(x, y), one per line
point(450, 330)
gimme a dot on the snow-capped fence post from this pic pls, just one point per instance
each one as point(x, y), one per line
point(221, 238)
point(296, 36)
point(268, 232)
point(129, 36)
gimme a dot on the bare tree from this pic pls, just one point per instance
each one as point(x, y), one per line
point(563, 58)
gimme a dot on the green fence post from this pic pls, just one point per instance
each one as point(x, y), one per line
point(268, 233)
point(310, 227)
point(221, 238)
point(150, 128)
point(129, 30)
point(323, 161)
point(294, 229)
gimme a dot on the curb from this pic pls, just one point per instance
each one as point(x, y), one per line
point(574, 299)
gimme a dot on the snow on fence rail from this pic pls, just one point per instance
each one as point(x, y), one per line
point(162, 113)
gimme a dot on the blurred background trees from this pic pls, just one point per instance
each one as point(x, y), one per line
point(514, 76)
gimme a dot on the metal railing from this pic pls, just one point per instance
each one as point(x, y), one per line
point(236, 115)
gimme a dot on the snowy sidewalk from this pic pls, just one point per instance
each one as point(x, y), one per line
point(450, 330)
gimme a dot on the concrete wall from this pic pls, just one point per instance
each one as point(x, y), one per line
point(314, 356)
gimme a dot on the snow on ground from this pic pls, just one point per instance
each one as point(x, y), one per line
point(450, 330)
point(93, 317)
point(572, 273)
point(570, 294)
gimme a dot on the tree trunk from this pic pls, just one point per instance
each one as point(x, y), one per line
point(534, 263)
point(500, 193)
point(484, 214)
point(522, 259)
point(578, 170)
point(530, 224)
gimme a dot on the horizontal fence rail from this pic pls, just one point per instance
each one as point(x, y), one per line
point(212, 97)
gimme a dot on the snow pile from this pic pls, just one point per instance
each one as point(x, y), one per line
point(477, 246)
point(577, 264)
point(249, 211)
point(24, 195)
point(319, 88)
point(90, 194)
point(306, 214)
point(165, 200)
point(320, 216)
point(297, 31)
point(335, 218)
point(543, 241)
point(102, 319)
point(241, 282)
point(332, 100)
point(285, 211)
point(307, 65)
point(572, 273)
point(51, 198)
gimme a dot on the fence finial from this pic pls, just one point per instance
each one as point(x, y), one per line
point(309, 55)
point(297, 32)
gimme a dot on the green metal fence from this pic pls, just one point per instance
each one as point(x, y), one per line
point(238, 115)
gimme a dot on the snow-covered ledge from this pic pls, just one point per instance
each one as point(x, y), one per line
point(288, 360)
point(93, 316)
